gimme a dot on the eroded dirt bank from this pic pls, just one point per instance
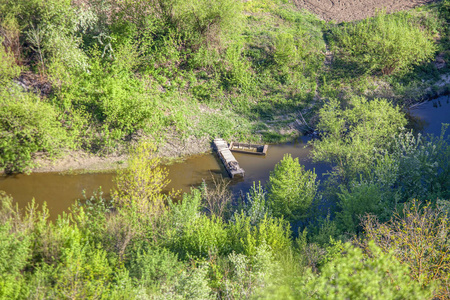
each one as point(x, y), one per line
point(79, 160)
point(352, 10)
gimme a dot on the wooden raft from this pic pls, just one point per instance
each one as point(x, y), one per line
point(225, 155)
point(249, 148)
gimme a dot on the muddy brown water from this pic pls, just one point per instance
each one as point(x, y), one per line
point(60, 191)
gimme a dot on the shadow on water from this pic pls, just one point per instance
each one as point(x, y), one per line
point(61, 191)
point(196, 169)
point(427, 118)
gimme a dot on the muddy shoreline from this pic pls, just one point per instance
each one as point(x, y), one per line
point(84, 162)
point(176, 148)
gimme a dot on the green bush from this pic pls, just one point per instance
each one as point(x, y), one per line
point(155, 267)
point(238, 74)
point(192, 233)
point(418, 237)
point(245, 238)
point(256, 206)
point(27, 126)
point(423, 165)
point(291, 189)
point(387, 44)
point(8, 66)
point(210, 20)
point(362, 198)
point(114, 100)
point(355, 276)
point(201, 237)
point(353, 138)
point(15, 252)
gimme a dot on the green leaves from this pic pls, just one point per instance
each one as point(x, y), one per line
point(15, 251)
point(291, 189)
point(387, 44)
point(353, 138)
point(356, 276)
point(27, 125)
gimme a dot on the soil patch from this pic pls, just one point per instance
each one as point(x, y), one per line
point(352, 10)
point(80, 161)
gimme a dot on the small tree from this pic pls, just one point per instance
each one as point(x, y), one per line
point(140, 186)
point(419, 238)
point(353, 275)
point(291, 189)
point(353, 138)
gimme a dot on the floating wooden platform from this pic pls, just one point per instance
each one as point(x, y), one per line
point(249, 148)
point(225, 155)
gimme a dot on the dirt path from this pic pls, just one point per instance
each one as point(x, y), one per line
point(351, 10)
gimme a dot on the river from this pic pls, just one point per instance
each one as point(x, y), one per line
point(60, 191)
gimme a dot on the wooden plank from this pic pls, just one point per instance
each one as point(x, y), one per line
point(227, 157)
point(249, 148)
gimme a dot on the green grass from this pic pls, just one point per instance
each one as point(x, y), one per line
point(115, 80)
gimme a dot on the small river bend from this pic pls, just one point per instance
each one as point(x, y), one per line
point(61, 191)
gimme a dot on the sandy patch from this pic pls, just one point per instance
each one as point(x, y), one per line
point(351, 10)
point(76, 161)
point(80, 160)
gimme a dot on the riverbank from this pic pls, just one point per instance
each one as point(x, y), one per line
point(177, 149)
point(83, 162)
point(61, 187)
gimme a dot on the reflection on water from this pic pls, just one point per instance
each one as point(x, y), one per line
point(429, 116)
point(194, 170)
point(60, 191)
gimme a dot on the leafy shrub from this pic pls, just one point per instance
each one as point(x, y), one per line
point(140, 186)
point(418, 237)
point(155, 267)
point(389, 44)
point(191, 284)
point(355, 276)
point(250, 276)
point(423, 165)
point(210, 20)
point(202, 237)
point(193, 233)
point(285, 49)
point(238, 74)
point(27, 126)
point(256, 206)
point(362, 198)
point(444, 9)
point(353, 138)
point(49, 29)
point(84, 271)
point(246, 238)
point(14, 255)
point(187, 210)
point(8, 66)
point(291, 189)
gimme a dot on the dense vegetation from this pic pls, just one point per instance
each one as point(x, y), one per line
point(108, 76)
point(381, 240)
point(106, 73)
